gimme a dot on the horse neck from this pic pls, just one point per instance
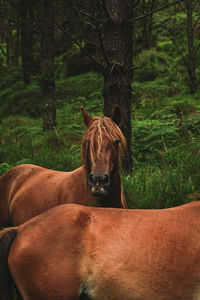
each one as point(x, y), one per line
point(113, 199)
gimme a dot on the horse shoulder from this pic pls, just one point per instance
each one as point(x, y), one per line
point(36, 259)
point(10, 185)
point(17, 176)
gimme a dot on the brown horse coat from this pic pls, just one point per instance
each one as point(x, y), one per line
point(77, 252)
point(28, 190)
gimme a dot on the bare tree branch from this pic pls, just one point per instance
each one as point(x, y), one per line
point(196, 49)
point(196, 22)
point(101, 44)
point(154, 11)
point(105, 9)
point(2, 50)
point(182, 7)
point(180, 52)
point(87, 14)
point(84, 12)
point(84, 50)
point(133, 6)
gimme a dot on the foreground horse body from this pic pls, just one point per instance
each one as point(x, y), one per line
point(28, 190)
point(77, 252)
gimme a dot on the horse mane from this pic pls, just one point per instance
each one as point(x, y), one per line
point(100, 128)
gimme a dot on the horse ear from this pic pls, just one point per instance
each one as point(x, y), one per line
point(116, 116)
point(86, 118)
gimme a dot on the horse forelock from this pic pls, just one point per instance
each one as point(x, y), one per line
point(102, 128)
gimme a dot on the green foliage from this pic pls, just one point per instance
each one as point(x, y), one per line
point(154, 187)
point(4, 167)
point(10, 77)
point(61, 62)
point(167, 47)
point(80, 89)
point(151, 64)
point(165, 178)
point(165, 118)
point(165, 144)
point(16, 98)
point(22, 141)
point(165, 124)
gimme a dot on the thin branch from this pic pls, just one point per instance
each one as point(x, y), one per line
point(2, 50)
point(38, 24)
point(105, 9)
point(182, 7)
point(195, 23)
point(180, 52)
point(133, 8)
point(101, 44)
point(87, 15)
point(84, 12)
point(196, 49)
point(154, 11)
point(84, 50)
point(174, 40)
point(135, 4)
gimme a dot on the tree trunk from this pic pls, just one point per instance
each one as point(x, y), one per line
point(118, 75)
point(47, 67)
point(16, 46)
point(26, 40)
point(191, 52)
point(8, 36)
point(147, 24)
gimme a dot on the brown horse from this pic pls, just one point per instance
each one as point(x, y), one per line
point(77, 252)
point(28, 190)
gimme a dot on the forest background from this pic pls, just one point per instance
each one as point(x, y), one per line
point(143, 55)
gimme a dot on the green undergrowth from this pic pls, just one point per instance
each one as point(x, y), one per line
point(170, 181)
point(22, 141)
point(165, 128)
point(165, 149)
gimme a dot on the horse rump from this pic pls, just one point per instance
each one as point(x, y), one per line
point(7, 285)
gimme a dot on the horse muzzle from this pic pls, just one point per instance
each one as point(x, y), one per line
point(99, 183)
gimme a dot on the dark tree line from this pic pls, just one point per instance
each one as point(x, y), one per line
point(108, 33)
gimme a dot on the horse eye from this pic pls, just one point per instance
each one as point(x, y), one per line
point(117, 142)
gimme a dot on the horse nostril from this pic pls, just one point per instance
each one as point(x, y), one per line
point(96, 180)
point(106, 180)
point(91, 179)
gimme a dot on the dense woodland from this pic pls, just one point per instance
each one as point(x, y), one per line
point(143, 55)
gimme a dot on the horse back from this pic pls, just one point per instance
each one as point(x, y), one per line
point(109, 254)
point(147, 254)
point(10, 183)
point(28, 190)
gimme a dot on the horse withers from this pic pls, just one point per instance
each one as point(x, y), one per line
point(28, 190)
point(79, 252)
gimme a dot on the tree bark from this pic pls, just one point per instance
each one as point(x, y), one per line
point(148, 23)
point(47, 67)
point(118, 48)
point(26, 40)
point(8, 36)
point(191, 52)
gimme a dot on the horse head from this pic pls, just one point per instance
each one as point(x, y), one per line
point(102, 146)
